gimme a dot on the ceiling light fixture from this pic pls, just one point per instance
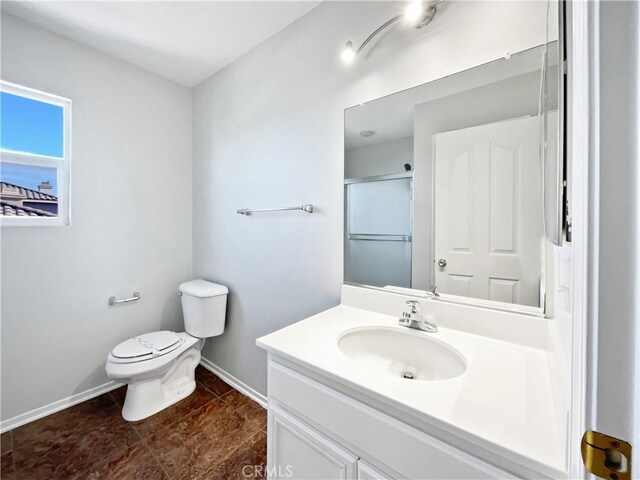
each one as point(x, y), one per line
point(418, 13)
point(348, 53)
point(414, 11)
point(367, 133)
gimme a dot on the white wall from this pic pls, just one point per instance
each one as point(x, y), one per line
point(379, 158)
point(617, 288)
point(131, 221)
point(268, 131)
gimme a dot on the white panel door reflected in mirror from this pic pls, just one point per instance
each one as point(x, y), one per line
point(445, 180)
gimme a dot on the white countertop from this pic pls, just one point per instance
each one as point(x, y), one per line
point(503, 402)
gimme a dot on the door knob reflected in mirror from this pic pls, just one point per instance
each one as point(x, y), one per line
point(442, 263)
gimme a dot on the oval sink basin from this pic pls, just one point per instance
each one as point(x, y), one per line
point(402, 354)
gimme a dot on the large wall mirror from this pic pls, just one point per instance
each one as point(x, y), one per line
point(455, 183)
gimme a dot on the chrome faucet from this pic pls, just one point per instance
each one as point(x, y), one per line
point(412, 317)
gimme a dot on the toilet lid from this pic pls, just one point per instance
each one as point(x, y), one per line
point(149, 345)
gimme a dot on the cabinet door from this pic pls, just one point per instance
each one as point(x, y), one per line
point(296, 450)
point(367, 472)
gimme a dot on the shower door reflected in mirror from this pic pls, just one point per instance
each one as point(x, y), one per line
point(378, 221)
point(444, 182)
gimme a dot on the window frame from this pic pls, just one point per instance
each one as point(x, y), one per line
point(62, 165)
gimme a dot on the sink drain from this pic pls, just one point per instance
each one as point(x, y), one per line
point(408, 375)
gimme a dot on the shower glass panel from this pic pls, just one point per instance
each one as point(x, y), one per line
point(378, 223)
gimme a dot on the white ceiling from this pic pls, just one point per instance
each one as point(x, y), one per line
point(183, 41)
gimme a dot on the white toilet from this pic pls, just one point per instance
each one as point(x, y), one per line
point(159, 367)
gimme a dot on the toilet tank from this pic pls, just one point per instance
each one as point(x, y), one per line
point(204, 306)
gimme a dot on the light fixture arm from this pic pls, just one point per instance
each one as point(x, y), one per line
point(420, 17)
point(377, 31)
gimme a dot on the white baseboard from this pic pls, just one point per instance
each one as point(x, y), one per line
point(36, 413)
point(234, 382)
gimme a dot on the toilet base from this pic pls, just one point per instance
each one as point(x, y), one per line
point(149, 396)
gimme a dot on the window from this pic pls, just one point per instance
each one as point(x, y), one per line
point(35, 154)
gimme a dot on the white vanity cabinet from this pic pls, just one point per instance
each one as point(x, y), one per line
point(296, 450)
point(368, 472)
point(318, 432)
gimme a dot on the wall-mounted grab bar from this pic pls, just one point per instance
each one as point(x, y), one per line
point(309, 208)
point(113, 301)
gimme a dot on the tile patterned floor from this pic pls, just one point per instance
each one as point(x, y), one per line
point(212, 434)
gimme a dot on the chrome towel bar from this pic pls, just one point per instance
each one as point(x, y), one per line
point(113, 301)
point(379, 237)
point(309, 208)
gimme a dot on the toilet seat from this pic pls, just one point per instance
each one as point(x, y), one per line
point(146, 347)
point(120, 369)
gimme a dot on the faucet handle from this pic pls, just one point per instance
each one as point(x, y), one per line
point(432, 291)
point(413, 307)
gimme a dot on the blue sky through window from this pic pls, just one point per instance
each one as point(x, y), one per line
point(29, 176)
point(31, 126)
